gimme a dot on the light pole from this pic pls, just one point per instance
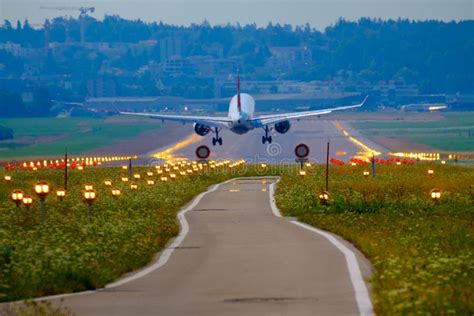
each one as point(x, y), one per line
point(116, 192)
point(435, 195)
point(60, 194)
point(17, 197)
point(89, 197)
point(27, 201)
point(324, 197)
point(42, 190)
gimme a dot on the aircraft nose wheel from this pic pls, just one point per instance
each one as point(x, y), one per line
point(217, 139)
point(266, 137)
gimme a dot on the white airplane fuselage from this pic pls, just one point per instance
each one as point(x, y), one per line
point(241, 120)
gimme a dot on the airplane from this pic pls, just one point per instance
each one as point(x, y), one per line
point(241, 119)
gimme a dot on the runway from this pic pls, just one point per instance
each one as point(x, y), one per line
point(314, 133)
point(235, 257)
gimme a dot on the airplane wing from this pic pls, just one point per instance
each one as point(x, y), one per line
point(205, 120)
point(276, 118)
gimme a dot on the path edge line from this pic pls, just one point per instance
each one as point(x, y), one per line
point(164, 254)
point(364, 304)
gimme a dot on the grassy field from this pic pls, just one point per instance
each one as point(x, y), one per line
point(453, 132)
point(75, 250)
point(50, 136)
point(423, 252)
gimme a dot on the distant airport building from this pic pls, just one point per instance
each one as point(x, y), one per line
point(170, 47)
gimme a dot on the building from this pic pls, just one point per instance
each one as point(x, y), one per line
point(289, 56)
point(170, 47)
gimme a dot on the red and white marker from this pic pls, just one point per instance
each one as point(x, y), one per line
point(301, 151)
point(203, 152)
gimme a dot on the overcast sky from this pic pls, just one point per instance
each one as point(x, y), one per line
point(319, 13)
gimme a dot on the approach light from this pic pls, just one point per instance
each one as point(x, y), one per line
point(27, 201)
point(124, 179)
point(366, 173)
point(17, 196)
point(435, 195)
point(149, 173)
point(88, 186)
point(42, 189)
point(183, 173)
point(324, 197)
point(302, 172)
point(430, 172)
point(189, 171)
point(150, 182)
point(89, 196)
point(7, 178)
point(60, 194)
point(263, 165)
point(124, 167)
point(164, 179)
point(443, 162)
point(107, 183)
point(80, 168)
point(116, 192)
point(133, 186)
point(136, 176)
point(172, 176)
point(353, 164)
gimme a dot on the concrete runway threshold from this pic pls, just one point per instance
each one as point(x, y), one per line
point(233, 256)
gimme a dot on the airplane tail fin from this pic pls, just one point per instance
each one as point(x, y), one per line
point(239, 106)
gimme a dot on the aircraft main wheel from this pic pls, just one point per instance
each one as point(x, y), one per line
point(269, 139)
point(264, 140)
point(219, 140)
point(214, 140)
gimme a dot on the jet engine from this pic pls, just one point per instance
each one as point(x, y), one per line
point(282, 127)
point(201, 130)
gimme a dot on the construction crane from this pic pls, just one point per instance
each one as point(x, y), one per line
point(83, 12)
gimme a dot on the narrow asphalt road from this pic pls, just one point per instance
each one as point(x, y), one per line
point(238, 258)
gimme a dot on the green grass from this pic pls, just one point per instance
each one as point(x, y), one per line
point(453, 133)
point(77, 134)
point(423, 252)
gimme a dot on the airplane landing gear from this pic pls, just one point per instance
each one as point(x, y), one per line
point(216, 139)
point(266, 138)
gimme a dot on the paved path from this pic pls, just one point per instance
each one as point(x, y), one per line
point(237, 259)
